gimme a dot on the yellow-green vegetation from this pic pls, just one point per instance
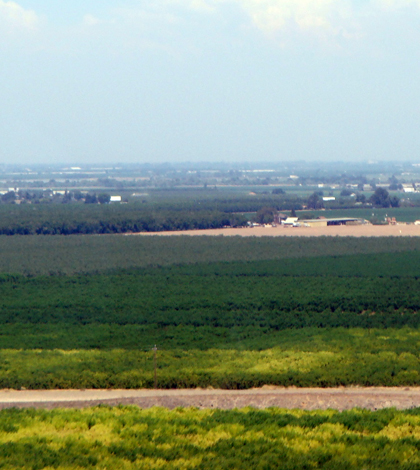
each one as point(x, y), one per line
point(131, 438)
point(306, 357)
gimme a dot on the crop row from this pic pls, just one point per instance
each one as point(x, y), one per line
point(34, 255)
point(214, 297)
point(305, 358)
point(131, 438)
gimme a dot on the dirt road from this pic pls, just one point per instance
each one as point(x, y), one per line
point(402, 230)
point(305, 398)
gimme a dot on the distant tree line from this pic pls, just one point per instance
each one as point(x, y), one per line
point(92, 218)
point(380, 198)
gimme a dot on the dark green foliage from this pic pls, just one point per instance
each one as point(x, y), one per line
point(265, 215)
point(104, 198)
point(315, 201)
point(224, 201)
point(278, 191)
point(257, 294)
point(381, 198)
point(91, 199)
point(68, 219)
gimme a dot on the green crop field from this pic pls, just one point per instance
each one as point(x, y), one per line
point(233, 313)
point(239, 358)
point(43, 254)
point(224, 312)
point(321, 321)
point(131, 438)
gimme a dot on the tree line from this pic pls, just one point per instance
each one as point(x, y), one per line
point(94, 219)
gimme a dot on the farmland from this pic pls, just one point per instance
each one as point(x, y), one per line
point(310, 357)
point(304, 321)
point(131, 438)
point(73, 254)
point(85, 310)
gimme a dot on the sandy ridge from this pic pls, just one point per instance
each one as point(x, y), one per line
point(371, 398)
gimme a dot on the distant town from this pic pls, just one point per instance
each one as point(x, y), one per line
point(331, 185)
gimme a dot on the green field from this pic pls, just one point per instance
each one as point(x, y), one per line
point(224, 312)
point(239, 359)
point(265, 294)
point(131, 438)
point(304, 321)
point(41, 255)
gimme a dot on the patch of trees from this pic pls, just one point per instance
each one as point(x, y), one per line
point(265, 215)
point(315, 201)
point(381, 198)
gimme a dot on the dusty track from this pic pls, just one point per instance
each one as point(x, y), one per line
point(304, 398)
point(402, 230)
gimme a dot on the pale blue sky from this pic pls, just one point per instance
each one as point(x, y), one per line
point(232, 80)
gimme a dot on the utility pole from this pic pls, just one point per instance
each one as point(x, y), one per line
point(155, 364)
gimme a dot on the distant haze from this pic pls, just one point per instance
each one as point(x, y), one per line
point(209, 80)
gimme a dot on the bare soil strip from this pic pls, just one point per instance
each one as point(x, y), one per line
point(371, 398)
point(400, 230)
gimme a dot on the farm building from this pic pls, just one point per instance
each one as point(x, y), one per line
point(290, 221)
point(336, 221)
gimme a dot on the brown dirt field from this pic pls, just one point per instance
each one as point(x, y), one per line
point(400, 230)
point(372, 398)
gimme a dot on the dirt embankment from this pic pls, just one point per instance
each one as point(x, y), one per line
point(305, 398)
point(401, 230)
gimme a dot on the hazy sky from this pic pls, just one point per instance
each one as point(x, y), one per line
point(177, 80)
